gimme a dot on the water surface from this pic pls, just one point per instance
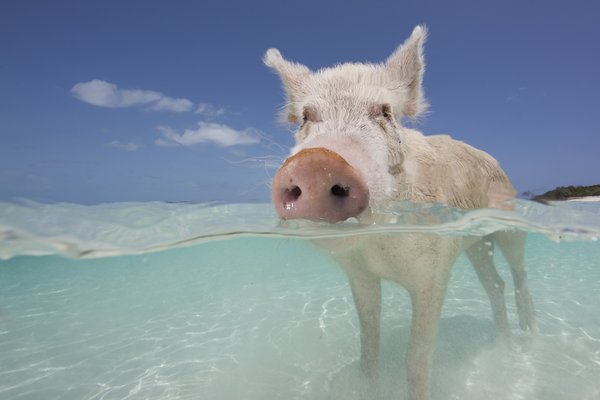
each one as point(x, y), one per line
point(209, 301)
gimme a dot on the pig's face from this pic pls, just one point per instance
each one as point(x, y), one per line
point(357, 122)
point(348, 151)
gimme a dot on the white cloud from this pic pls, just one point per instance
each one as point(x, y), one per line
point(219, 134)
point(169, 104)
point(126, 146)
point(209, 111)
point(105, 94)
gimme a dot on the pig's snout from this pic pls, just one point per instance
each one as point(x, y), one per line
point(319, 184)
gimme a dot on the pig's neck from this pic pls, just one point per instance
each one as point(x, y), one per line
point(418, 181)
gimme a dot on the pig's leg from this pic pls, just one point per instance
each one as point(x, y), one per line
point(481, 255)
point(427, 300)
point(366, 291)
point(512, 244)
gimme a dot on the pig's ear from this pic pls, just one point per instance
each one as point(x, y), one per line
point(294, 77)
point(404, 70)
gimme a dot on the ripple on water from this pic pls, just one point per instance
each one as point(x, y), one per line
point(266, 316)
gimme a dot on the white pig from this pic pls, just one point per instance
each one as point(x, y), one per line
point(353, 156)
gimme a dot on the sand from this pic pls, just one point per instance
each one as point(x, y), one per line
point(587, 198)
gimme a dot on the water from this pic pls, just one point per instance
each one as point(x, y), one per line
point(206, 301)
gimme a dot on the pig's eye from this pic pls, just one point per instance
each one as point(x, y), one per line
point(309, 114)
point(386, 111)
point(381, 110)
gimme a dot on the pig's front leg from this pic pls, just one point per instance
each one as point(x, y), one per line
point(366, 291)
point(427, 300)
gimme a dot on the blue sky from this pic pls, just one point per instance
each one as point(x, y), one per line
point(146, 100)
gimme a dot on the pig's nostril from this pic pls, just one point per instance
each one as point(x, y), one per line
point(293, 193)
point(340, 191)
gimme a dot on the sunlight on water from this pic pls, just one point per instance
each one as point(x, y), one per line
point(149, 301)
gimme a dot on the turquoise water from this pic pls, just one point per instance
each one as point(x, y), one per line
point(208, 301)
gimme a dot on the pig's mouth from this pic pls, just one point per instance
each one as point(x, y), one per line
point(318, 184)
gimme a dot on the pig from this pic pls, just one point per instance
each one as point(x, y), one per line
point(352, 156)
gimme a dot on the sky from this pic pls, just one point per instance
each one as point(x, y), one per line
point(169, 100)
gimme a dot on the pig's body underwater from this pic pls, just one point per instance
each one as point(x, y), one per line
point(352, 156)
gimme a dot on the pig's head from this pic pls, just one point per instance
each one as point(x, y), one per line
point(348, 151)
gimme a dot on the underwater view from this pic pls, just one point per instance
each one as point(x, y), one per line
point(222, 301)
point(211, 200)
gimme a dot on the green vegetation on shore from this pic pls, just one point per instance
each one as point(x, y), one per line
point(568, 192)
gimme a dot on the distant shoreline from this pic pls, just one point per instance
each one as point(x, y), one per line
point(570, 193)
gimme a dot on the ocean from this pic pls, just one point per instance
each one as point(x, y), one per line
point(222, 301)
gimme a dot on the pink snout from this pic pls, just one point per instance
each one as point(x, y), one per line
point(318, 184)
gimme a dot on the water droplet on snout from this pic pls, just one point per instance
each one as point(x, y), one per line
point(288, 206)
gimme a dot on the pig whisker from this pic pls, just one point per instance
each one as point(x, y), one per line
point(266, 162)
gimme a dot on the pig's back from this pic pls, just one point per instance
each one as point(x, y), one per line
point(449, 171)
